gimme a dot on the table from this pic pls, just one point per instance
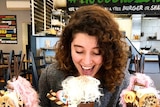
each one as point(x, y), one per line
point(152, 63)
point(3, 66)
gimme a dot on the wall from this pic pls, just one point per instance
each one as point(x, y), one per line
point(23, 16)
point(136, 26)
point(151, 27)
point(125, 24)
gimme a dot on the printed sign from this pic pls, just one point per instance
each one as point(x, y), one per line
point(119, 6)
point(8, 29)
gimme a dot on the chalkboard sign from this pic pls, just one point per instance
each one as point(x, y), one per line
point(119, 6)
point(8, 29)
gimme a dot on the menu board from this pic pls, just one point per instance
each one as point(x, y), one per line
point(119, 6)
point(8, 29)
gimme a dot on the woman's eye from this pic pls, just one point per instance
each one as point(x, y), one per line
point(79, 52)
point(97, 54)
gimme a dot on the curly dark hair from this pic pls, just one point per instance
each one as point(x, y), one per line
point(95, 21)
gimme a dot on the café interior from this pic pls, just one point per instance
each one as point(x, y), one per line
point(37, 25)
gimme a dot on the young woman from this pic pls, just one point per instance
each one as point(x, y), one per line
point(91, 44)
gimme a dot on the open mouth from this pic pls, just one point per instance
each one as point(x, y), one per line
point(87, 70)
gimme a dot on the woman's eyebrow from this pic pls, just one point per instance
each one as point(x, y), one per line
point(97, 47)
point(77, 46)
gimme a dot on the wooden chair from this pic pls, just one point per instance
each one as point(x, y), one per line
point(131, 68)
point(19, 56)
point(4, 56)
point(1, 57)
point(12, 55)
point(137, 64)
point(6, 71)
point(10, 60)
point(142, 63)
point(137, 59)
point(36, 65)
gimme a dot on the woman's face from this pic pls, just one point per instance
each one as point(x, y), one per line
point(85, 54)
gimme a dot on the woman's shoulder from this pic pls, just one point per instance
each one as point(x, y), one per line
point(115, 96)
point(52, 70)
point(52, 77)
point(126, 79)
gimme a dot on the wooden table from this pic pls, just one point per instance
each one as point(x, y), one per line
point(3, 66)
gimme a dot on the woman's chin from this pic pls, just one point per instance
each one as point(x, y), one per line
point(88, 73)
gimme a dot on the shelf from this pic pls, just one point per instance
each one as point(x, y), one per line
point(51, 49)
point(58, 12)
point(153, 40)
point(59, 19)
point(135, 40)
point(151, 58)
point(44, 35)
point(48, 58)
point(155, 53)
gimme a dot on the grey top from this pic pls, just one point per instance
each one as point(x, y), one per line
point(51, 78)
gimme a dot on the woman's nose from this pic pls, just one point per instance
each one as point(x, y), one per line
point(87, 60)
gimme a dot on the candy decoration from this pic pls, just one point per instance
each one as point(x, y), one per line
point(129, 97)
point(24, 91)
point(140, 92)
point(5, 101)
point(10, 99)
point(52, 96)
point(20, 92)
point(62, 96)
point(148, 100)
point(147, 97)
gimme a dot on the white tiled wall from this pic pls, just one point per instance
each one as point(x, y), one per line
point(151, 27)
